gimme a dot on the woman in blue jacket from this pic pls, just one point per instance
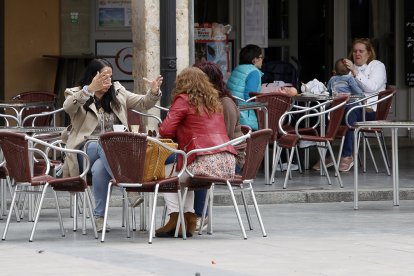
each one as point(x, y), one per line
point(246, 78)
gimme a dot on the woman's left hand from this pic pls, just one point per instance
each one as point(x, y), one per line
point(154, 84)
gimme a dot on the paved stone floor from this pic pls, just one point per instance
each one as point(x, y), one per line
point(302, 239)
point(323, 236)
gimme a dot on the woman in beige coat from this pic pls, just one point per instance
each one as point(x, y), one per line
point(94, 107)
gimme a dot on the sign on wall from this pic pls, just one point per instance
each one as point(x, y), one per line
point(114, 14)
point(119, 54)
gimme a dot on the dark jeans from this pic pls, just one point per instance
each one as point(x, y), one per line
point(354, 116)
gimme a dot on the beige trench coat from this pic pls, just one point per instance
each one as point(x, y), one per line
point(84, 122)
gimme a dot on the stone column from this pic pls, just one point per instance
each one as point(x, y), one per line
point(146, 42)
point(183, 24)
point(145, 28)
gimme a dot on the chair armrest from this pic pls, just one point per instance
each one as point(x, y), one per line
point(47, 113)
point(364, 105)
point(162, 108)
point(304, 117)
point(86, 165)
point(44, 156)
point(147, 115)
point(301, 109)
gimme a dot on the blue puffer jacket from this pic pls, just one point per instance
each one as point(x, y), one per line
point(237, 84)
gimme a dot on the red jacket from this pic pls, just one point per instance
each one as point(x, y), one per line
point(194, 131)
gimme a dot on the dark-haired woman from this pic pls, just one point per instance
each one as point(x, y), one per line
point(94, 106)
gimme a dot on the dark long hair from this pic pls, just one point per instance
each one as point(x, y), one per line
point(215, 75)
point(109, 97)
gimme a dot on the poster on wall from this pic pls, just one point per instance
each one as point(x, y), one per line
point(114, 14)
point(254, 23)
point(119, 54)
point(211, 44)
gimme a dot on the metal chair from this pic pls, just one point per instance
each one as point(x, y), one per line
point(126, 153)
point(256, 143)
point(335, 108)
point(37, 96)
point(383, 104)
point(18, 156)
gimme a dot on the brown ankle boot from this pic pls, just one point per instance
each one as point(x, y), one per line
point(168, 229)
point(191, 223)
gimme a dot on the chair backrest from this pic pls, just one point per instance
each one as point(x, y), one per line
point(277, 105)
point(125, 153)
point(16, 153)
point(255, 150)
point(37, 96)
point(383, 107)
point(336, 115)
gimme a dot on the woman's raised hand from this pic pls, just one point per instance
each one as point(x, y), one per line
point(101, 81)
point(154, 84)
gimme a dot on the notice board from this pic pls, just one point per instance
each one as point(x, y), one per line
point(409, 42)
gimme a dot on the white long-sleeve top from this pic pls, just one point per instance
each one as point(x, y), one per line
point(371, 78)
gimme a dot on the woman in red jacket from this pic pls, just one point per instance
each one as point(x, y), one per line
point(196, 120)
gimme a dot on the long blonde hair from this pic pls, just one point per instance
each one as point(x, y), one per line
point(201, 92)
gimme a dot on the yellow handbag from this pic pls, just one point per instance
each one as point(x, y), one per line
point(154, 167)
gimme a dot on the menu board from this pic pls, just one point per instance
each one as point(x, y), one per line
point(409, 42)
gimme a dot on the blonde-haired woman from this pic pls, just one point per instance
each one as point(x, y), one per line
point(196, 120)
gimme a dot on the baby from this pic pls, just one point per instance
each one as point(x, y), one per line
point(342, 81)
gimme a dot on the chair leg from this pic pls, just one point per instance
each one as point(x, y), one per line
point(322, 158)
point(39, 208)
point(75, 212)
point(256, 207)
point(181, 219)
point(288, 171)
point(385, 148)
point(275, 162)
point(203, 214)
point(210, 211)
point(181, 215)
point(13, 203)
point(335, 164)
point(106, 212)
point(371, 154)
point(154, 205)
point(236, 209)
point(383, 153)
point(88, 199)
point(298, 158)
point(164, 214)
point(62, 229)
point(246, 209)
point(16, 210)
point(125, 213)
point(83, 196)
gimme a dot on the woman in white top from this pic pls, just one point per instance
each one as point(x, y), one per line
point(371, 76)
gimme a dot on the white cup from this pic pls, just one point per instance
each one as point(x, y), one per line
point(135, 128)
point(119, 128)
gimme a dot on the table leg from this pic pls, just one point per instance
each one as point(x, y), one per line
point(266, 158)
point(395, 174)
point(356, 146)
